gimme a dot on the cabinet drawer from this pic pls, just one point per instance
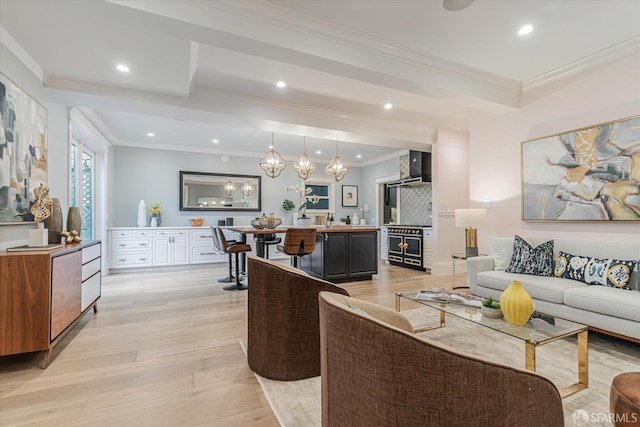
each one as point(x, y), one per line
point(170, 233)
point(119, 244)
point(142, 233)
point(201, 237)
point(131, 260)
point(90, 291)
point(90, 268)
point(122, 233)
point(90, 253)
point(204, 254)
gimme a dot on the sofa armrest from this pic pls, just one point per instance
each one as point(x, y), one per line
point(475, 265)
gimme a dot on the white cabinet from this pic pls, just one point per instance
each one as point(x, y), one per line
point(130, 248)
point(170, 247)
point(201, 247)
point(427, 248)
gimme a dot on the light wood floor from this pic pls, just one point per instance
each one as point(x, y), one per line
point(163, 350)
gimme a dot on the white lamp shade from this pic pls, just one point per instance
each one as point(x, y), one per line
point(470, 217)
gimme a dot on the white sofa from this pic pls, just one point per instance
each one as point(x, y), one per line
point(603, 308)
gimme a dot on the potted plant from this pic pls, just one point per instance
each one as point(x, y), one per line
point(491, 308)
point(289, 206)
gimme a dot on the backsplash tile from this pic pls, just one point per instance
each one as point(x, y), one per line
point(416, 205)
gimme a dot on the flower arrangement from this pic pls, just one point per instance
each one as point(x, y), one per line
point(364, 210)
point(306, 196)
point(154, 211)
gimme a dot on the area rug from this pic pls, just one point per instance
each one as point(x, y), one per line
point(297, 403)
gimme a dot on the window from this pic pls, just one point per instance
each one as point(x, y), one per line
point(82, 185)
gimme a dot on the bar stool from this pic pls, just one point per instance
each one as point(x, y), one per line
point(298, 242)
point(218, 247)
point(270, 240)
point(232, 247)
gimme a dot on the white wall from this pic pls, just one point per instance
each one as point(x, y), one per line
point(57, 138)
point(153, 175)
point(608, 93)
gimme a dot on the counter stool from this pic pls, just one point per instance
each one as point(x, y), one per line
point(232, 247)
point(624, 399)
point(270, 240)
point(298, 242)
point(218, 247)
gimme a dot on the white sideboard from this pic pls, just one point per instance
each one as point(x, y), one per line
point(134, 247)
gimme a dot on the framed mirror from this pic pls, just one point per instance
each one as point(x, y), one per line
point(202, 191)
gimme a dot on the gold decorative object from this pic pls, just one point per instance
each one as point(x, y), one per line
point(272, 163)
point(71, 236)
point(516, 304)
point(338, 168)
point(196, 222)
point(304, 166)
point(41, 208)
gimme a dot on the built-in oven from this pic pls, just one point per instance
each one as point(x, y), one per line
point(405, 247)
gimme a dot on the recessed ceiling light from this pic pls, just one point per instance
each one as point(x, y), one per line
point(456, 5)
point(281, 84)
point(123, 68)
point(215, 141)
point(359, 156)
point(151, 134)
point(525, 30)
point(388, 106)
point(271, 147)
point(318, 152)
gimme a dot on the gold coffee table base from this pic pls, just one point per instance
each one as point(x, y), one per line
point(530, 347)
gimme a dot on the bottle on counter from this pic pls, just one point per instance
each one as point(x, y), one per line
point(327, 222)
point(142, 214)
point(348, 220)
point(331, 220)
point(355, 219)
point(272, 220)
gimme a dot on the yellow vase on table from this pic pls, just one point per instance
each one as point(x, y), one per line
point(516, 304)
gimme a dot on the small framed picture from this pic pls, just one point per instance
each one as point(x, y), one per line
point(350, 196)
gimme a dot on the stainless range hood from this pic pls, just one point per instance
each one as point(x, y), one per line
point(415, 170)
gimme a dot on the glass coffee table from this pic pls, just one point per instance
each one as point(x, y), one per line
point(540, 330)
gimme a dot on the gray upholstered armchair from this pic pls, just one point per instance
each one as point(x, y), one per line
point(379, 373)
point(283, 337)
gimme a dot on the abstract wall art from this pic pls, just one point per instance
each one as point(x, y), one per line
point(23, 151)
point(589, 174)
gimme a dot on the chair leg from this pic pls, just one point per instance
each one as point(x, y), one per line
point(295, 261)
point(230, 278)
point(237, 286)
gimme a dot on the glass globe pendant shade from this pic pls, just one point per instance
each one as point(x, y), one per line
point(229, 188)
point(337, 168)
point(272, 163)
point(304, 166)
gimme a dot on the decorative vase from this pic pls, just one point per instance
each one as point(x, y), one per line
point(516, 304)
point(74, 219)
point(142, 214)
point(54, 222)
point(154, 221)
point(295, 218)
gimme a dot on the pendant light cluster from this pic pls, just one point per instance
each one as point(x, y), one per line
point(272, 163)
point(304, 166)
point(337, 168)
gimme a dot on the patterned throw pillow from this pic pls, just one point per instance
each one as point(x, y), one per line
point(595, 271)
point(526, 259)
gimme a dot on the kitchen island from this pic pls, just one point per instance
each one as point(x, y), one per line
point(343, 254)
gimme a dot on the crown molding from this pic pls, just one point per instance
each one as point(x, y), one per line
point(79, 122)
point(581, 65)
point(97, 122)
point(11, 44)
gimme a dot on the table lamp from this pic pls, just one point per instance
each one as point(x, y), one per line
point(470, 219)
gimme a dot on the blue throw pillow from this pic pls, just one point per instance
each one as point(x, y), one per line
point(595, 271)
point(526, 259)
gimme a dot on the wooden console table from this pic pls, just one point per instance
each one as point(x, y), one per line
point(43, 294)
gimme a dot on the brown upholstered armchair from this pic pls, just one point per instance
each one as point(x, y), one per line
point(283, 327)
point(377, 374)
